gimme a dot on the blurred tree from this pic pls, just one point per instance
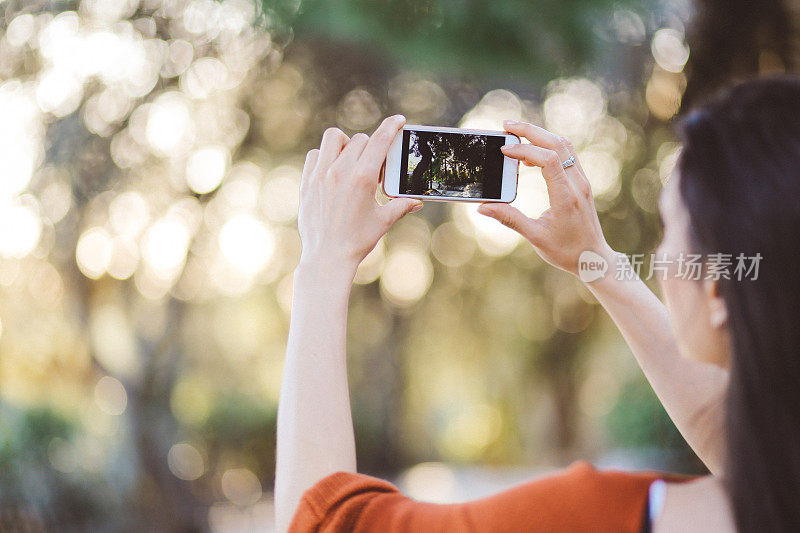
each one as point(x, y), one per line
point(446, 159)
point(146, 252)
point(131, 335)
point(530, 40)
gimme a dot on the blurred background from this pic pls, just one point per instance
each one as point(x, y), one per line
point(150, 152)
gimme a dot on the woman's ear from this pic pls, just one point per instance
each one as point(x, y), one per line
point(717, 311)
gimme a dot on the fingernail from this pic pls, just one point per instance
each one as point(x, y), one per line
point(510, 122)
point(506, 146)
point(398, 118)
point(485, 210)
point(416, 207)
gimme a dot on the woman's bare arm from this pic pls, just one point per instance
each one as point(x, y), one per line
point(315, 428)
point(691, 392)
point(339, 223)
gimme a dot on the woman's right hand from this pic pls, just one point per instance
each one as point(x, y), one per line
point(570, 226)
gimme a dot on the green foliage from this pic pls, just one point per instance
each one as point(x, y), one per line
point(638, 420)
point(28, 433)
point(239, 423)
point(27, 476)
point(520, 39)
point(450, 160)
point(277, 17)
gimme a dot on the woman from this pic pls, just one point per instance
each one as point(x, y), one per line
point(734, 394)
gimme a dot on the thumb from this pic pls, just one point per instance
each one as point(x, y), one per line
point(511, 217)
point(398, 208)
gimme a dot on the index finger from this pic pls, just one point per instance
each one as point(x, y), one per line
point(546, 139)
point(559, 190)
point(333, 141)
point(377, 147)
point(540, 137)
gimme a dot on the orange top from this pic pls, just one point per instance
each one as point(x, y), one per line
point(578, 499)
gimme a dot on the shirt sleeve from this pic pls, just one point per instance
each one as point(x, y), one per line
point(579, 498)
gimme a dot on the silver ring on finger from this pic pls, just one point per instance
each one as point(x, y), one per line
point(568, 162)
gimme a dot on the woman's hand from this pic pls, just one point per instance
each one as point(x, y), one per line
point(340, 221)
point(571, 225)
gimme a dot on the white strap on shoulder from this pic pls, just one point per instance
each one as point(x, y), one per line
point(656, 495)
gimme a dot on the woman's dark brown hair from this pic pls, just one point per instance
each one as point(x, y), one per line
point(740, 180)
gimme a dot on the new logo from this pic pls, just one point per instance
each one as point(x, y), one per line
point(591, 266)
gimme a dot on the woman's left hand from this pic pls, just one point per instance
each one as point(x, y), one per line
point(340, 220)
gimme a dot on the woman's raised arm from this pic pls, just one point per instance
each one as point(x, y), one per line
point(339, 223)
point(691, 392)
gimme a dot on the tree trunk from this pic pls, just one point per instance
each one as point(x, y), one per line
point(417, 183)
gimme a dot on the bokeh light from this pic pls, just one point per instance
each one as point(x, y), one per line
point(110, 395)
point(169, 126)
point(241, 486)
point(407, 274)
point(164, 246)
point(93, 252)
point(246, 243)
point(669, 50)
point(185, 461)
point(206, 167)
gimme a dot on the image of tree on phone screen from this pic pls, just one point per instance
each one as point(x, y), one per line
point(453, 164)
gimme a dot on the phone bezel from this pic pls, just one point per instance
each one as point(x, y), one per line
point(390, 175)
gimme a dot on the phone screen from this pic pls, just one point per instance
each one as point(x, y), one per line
point(465, 165)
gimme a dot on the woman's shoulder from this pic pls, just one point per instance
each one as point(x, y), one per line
point(583, 495)
point(578, 498)
point(585, 482)
point(582, 483)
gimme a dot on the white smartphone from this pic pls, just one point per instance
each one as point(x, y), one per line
point(438, 163)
